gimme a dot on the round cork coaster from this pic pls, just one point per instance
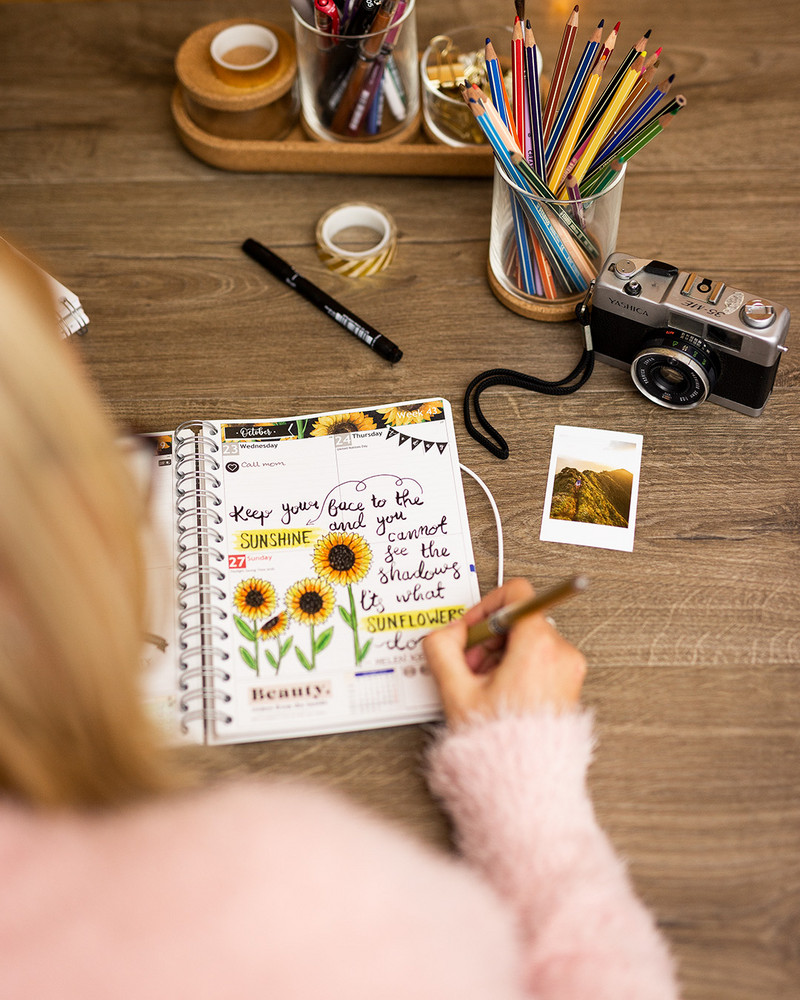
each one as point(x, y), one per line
point(195, 70)
point(548, 310)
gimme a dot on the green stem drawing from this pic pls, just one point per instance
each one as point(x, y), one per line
point(281, 649)
point(252, 636)
point(354, 620)
point(351, 619)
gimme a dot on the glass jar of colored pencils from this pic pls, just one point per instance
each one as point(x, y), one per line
point(545, 251)
point(357, 70)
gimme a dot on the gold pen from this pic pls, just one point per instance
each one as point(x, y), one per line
point(501, 621)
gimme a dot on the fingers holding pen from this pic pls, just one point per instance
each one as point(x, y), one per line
point(531, 666)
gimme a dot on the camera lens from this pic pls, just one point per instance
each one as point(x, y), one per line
point(675, 369)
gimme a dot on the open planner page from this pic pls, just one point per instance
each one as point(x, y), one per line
point(336, 542)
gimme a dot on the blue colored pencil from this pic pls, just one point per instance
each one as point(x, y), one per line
point(557, 253)
point(579, 77)
point(537, 160)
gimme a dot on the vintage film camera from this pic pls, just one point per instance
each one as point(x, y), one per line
point(686, 338)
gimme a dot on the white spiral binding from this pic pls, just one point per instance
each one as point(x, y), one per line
point(200, 634)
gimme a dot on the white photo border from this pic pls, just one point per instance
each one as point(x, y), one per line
point(586, 444)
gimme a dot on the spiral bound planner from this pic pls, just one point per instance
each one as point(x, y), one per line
point(71, 315)
point(301, 561)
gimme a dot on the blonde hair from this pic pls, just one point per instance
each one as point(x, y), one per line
point(73, 730)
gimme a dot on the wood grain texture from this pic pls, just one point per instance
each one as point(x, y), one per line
point(693, 638)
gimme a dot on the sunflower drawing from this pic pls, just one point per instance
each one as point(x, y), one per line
point(344, 558)
point(311, 602)
point(342, 423)
point(413, 413)
point(273, 628)
point(253, 599)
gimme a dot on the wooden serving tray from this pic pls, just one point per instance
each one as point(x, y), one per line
point(297, 153)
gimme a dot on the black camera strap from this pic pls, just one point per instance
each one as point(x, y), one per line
point(579, 375)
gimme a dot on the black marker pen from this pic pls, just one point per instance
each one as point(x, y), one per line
point(324, 302)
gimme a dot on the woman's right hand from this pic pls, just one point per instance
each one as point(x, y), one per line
point(530, 668)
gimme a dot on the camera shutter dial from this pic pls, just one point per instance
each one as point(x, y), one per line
point(758, 314)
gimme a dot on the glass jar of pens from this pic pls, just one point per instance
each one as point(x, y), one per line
point(357, 69)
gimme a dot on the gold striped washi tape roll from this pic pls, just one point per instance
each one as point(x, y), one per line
point(356, 263)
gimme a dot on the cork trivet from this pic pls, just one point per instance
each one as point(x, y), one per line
point(549, 310)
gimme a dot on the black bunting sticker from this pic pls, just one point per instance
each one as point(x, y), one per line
point(415, 442)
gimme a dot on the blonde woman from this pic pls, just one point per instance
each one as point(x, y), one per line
point(117, 882)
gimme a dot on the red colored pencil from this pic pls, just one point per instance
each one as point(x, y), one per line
point(560, 71)
point(518, 82)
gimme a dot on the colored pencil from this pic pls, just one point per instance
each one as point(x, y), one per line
point(608, 48)
point(506, 139)
point(603, 126)
point(541, 189)
point(594, 182)
point(611, 87)
point(646, 78)
point(558, 253)
point(537, 158)
point(575, 200)
point(496, 84)
point(560, 71)
point(556, 171)
point(579, 78)
point(675, 104)
point(640, 115)
point(518, 82)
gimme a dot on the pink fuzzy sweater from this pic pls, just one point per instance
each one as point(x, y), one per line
point(284, 891)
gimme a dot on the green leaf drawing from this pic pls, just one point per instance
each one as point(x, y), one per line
point(302, 659)
point(244, 628)
point(323, 639)
point(272, 661)
point(286, 646)
point(247, 656)
point(346, 616)
point(363, 651)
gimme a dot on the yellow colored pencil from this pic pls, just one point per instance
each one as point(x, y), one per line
point(606, 122)
point(556, 173)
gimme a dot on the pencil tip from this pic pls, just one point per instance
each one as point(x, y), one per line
point(647, 33)
point(602, 22)
point(616, 26)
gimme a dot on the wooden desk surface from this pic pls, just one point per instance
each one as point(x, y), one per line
point(693, 638)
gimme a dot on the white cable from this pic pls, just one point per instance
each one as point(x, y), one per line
point(485, 489)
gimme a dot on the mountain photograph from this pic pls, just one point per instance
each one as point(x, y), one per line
point(594, 497)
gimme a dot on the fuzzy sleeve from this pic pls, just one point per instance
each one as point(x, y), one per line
point(515, 788)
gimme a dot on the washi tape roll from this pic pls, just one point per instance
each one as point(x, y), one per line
point(356, 263)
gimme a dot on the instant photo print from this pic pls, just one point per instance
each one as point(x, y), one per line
point(592, 488)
